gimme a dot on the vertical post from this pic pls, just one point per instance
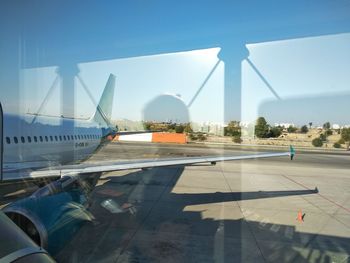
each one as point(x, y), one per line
point(233, 55)
point(68, 72)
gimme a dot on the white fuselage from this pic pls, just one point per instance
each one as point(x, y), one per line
point(48, 141)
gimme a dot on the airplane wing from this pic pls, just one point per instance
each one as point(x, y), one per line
point(89, 168)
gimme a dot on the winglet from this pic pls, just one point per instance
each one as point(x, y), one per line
point(292, 152)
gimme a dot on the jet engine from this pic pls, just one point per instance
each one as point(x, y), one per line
point(54, 213)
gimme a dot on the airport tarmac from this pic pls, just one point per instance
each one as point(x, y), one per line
point(245, 211)
point(238, 211)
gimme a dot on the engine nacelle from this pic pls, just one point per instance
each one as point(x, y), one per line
point(16, 246)
point(54, 213)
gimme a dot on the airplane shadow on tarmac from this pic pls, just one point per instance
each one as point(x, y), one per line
point(139, 219)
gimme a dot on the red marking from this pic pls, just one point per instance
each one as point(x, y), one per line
point(300, 216)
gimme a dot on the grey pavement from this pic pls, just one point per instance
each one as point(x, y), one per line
point(243, 211)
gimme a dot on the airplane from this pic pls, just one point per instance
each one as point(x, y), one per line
point(38, 147)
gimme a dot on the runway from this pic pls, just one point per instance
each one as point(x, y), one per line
point(243, 211)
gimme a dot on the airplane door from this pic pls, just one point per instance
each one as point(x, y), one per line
point(1, 141)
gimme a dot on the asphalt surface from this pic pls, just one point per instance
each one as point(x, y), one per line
point(266, 210)
point(245, 211)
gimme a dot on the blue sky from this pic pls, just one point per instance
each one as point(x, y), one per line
point(297, 68)
point(167, 48)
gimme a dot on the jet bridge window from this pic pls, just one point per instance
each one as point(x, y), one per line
point(29, 139)
point(8, 141)
point(15, 139)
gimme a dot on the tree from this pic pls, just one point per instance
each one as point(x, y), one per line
point(326, 125)
point(304, 129)
point(345, 135)
point(323, 137)
point(310, 124)
point(233, 129)
point(317, 142)
point(147, 125)
point(275, 132)
point(179, 128)
point(328, 132)
point(291, 129)
point(188, 128)
point(261, 128)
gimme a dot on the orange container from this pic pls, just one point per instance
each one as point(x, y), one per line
point(169, 137)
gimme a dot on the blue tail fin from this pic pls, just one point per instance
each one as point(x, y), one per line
point(103, 112)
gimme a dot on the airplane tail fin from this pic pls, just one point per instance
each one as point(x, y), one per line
point(104, 108)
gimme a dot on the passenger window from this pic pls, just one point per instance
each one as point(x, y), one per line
point(8, 141)
point(56, 139)
point(22, 139)
point(29, 139)
point(51, 138)
point(46, 138)
point(35, 139)
point(60, 138)
point(15, 140)
point(41, 138)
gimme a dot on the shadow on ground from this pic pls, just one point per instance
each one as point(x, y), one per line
point(138, 218)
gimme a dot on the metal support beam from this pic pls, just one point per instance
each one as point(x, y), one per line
point(233, 55)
